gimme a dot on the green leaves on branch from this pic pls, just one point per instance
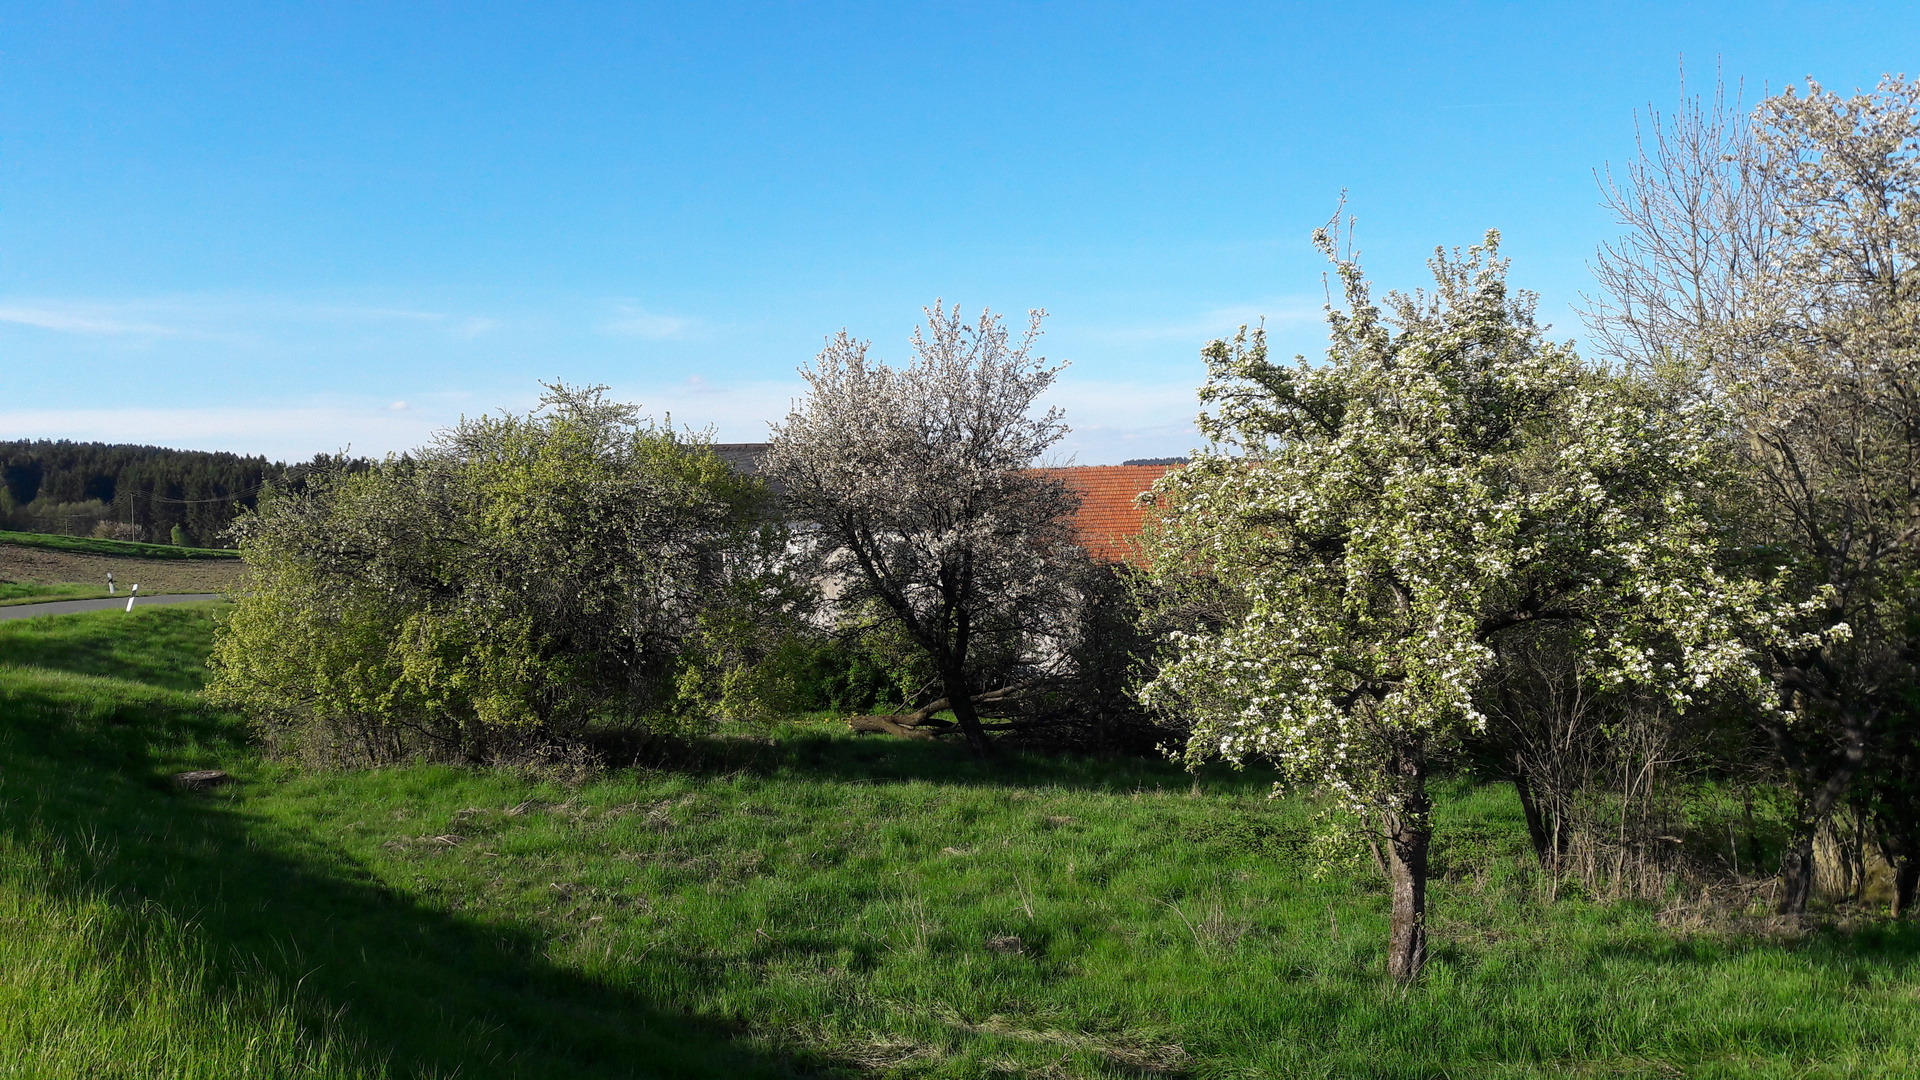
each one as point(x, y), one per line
point(518, 580)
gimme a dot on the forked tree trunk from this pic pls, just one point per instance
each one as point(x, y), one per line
point(1409, 832)
point(1796, 862)
point(966, 714)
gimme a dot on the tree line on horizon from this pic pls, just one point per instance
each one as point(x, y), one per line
point(132, 492)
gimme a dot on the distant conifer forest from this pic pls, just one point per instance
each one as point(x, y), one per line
point(186, 497)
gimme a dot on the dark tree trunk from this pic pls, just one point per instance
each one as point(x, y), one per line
point(1897, 847)
point(1796, 863)
point(1544, 849)
point(967, 714)
point(1796, 872)
point(1753, 831)
point(1906, 879)
point(1819, 796)
point(475, 746)
point(1409, 832)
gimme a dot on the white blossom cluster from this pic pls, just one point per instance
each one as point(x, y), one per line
point(1444, 478)
point(918, 487)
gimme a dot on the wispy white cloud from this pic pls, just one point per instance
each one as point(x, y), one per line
point(221, 316)
point(733, 411)
point(1117, 403)
point(1114, 420)
point(81, 319)
point(632, 320)
point(328, 312)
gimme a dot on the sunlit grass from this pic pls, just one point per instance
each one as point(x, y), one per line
point(164, 645)
point(16, 592)
point(799, 901)
point(99, 986)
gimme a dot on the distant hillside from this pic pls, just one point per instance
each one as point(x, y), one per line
point(127, 492)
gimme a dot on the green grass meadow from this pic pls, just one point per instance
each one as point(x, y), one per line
point(800, 902)
point(15, 592)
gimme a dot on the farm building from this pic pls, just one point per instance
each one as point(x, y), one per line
point(1109, 519)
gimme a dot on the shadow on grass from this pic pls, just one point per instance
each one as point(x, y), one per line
point(160, 646)
point(82, 765)
point(817, 752)
point(1888, 945)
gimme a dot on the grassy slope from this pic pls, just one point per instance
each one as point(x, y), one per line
point(97, 979)
point(804, 903)
point(130, 549)
point(14, 592)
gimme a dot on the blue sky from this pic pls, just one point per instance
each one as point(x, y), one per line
point(288, 229)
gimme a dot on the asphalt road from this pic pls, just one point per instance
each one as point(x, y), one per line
point(69, 607)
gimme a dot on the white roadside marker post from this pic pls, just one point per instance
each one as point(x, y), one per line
point(110, 589)
point(131, 593)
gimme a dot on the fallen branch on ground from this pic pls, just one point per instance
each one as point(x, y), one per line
point(920, 723)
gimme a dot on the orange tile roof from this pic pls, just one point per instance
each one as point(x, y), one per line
point(1109, 519)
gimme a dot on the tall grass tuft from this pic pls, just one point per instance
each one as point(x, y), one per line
point(91, 987)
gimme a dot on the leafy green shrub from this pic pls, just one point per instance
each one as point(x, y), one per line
point(519, 580)
point(842, 676)
point(744, 666)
